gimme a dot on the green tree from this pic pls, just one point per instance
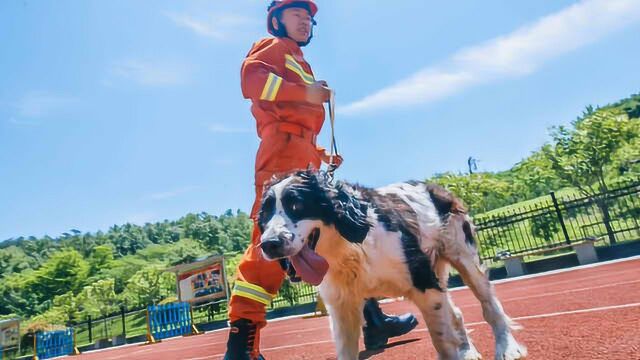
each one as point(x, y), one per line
point(534, 176)
point(545, 226)
point(65, 271)
point(101, 258)
point(99, 298)
point(289, 292)
point(582, 156)
point(149, 286)
point(480, 192)
point(14, 260)
point(67, 304)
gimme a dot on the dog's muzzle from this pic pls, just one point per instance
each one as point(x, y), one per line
point(274, 247)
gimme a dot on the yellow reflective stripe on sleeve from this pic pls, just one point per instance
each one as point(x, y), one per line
point(253, 287)
point(276, 88)
point(292, 64)
point(253, 292)
point(252, 297)
point(271, 87)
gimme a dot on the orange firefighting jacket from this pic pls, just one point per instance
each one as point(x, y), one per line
point(275, 76)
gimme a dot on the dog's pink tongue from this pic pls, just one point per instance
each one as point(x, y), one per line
point(310, 266)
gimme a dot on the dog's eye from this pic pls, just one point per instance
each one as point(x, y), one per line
point(297, 206)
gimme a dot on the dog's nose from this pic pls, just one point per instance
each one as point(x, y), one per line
point(275, 245)
point(271, 246)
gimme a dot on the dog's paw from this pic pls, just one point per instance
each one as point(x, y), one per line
point(510, 350)
point(470, 354)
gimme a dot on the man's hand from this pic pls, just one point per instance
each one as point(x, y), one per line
point(318, 92)
point(337, 159)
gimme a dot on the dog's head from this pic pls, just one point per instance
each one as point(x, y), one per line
point(297, 209)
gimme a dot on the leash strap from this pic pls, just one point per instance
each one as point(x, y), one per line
point(331, 168)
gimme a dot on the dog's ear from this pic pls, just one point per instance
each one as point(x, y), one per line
point(350, 216)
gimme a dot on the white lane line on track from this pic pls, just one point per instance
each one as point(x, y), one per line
point(528, 317)
point(510, 299)
point(557, 282)
point(131, 354)
point(554, 314)
point(555, 293)
point(559, 271)
point(581, 311)
point(575, 268)
point(270, 349)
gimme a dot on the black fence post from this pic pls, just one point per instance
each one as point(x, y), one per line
point(124, 328)
point(89, 326)
point(560, 218)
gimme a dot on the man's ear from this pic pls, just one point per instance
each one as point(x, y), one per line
point(350, 216)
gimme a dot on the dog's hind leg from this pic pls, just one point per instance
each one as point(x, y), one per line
point(463, 255)
point(438, 314)
point(346, 322)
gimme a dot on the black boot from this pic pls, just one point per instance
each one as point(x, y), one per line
point(380, 327)
point(242, 344)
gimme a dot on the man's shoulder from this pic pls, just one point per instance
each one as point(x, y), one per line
point(267, 45)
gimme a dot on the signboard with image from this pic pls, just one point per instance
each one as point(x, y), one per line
point(9, 333)
point(201, 281)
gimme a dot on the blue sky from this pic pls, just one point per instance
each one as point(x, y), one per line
point(131, 111)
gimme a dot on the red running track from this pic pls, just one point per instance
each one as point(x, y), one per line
point(584, 313)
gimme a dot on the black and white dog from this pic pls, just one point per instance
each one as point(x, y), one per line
point(398, 240)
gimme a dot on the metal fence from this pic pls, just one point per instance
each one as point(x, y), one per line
point(611, 216)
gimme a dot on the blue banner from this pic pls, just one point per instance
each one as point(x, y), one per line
point(170, 320)
point(50, 344)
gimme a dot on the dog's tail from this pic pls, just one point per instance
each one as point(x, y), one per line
point(459, 235)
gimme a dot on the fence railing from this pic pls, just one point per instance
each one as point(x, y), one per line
point(612, 216)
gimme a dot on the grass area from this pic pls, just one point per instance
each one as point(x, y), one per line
point(532, 203)
point(135, 324)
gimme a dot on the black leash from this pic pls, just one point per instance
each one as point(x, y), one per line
point(331, 167)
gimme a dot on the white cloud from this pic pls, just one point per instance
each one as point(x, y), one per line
point(519, 53)
point(152, 73)
point(40, 104)
point(216, 26)
point(224, 129)
point(173, 193)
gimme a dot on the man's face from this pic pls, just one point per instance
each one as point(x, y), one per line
point(297, 21)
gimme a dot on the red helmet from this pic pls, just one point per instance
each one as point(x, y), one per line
point(283, 4)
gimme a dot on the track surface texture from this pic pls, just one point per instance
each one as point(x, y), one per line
point(585, 313)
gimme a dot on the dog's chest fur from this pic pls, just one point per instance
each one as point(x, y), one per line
point(396, 256)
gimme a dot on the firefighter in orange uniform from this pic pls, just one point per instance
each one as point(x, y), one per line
point(287, 103)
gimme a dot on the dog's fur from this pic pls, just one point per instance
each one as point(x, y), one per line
point(399, 240)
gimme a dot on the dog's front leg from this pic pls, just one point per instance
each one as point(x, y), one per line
point(439, 316)
point(346, 324)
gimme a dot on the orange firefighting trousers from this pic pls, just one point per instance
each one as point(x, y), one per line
point(259, 279)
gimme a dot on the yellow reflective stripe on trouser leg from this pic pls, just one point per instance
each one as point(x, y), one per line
point(271, 87)
point(253, 292)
